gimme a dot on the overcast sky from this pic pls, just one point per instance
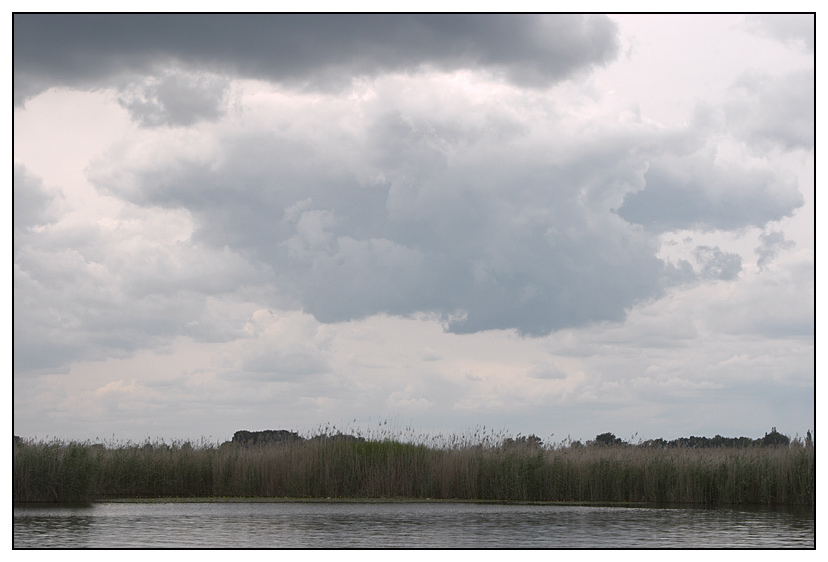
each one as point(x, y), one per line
point(560, 225)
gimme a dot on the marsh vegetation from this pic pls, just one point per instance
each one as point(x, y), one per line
point(382, 465)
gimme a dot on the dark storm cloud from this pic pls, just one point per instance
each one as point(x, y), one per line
point(324, 51)
point(701, 195)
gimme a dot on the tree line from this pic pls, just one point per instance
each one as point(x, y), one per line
point(774, 438)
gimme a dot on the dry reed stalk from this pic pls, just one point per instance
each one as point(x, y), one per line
point(490, 468)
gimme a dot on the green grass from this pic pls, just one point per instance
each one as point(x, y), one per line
point(384, 467)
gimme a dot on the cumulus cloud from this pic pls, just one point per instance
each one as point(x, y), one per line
point(33, 203)
point(321, 51)
point(697, 192)
point(773, 111)
point(123, 284)
point(177, 99)
point(770, 246)
point(717, 264)
point(334, 216)
point(678, 273)
point(75, 309)
point(405, 216)
point(423, 209)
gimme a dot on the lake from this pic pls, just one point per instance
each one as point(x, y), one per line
point(350, 524)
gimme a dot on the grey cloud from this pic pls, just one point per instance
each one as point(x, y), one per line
point(274, 365)
point(549, 371)
point(33, 203)
point(780, 305)
point(91, 295)
point(177, 99)
point(484, 244)
point(773, 111)
point(717, 264)
point(71, 313)
point(697, 194)
point(428, 354)
point(770, 245)
point(363, 277)
point(793, 29)
point(679, 273)
point(314, 49)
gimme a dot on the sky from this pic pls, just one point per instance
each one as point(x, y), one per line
point(562, 225)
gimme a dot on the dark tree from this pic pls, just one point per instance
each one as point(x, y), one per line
point(267, 437)
point(607, 439)
point(775, 438)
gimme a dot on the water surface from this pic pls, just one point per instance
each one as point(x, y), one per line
point(405, 525)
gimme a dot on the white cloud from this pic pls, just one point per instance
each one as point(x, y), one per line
point(796, 29)
point(203, 244)
point(768, 111)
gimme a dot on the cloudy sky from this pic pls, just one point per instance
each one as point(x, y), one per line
point(561, 225)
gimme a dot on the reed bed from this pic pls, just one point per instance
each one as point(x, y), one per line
point(436, 468)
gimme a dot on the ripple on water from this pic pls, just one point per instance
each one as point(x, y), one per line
point(405, 524)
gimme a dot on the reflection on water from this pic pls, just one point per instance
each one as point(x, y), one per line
point(407, 525)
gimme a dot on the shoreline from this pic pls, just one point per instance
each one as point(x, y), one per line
point(433, 501)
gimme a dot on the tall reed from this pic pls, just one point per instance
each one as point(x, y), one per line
point(441, 468)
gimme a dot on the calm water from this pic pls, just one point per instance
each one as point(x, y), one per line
point(410, 525)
